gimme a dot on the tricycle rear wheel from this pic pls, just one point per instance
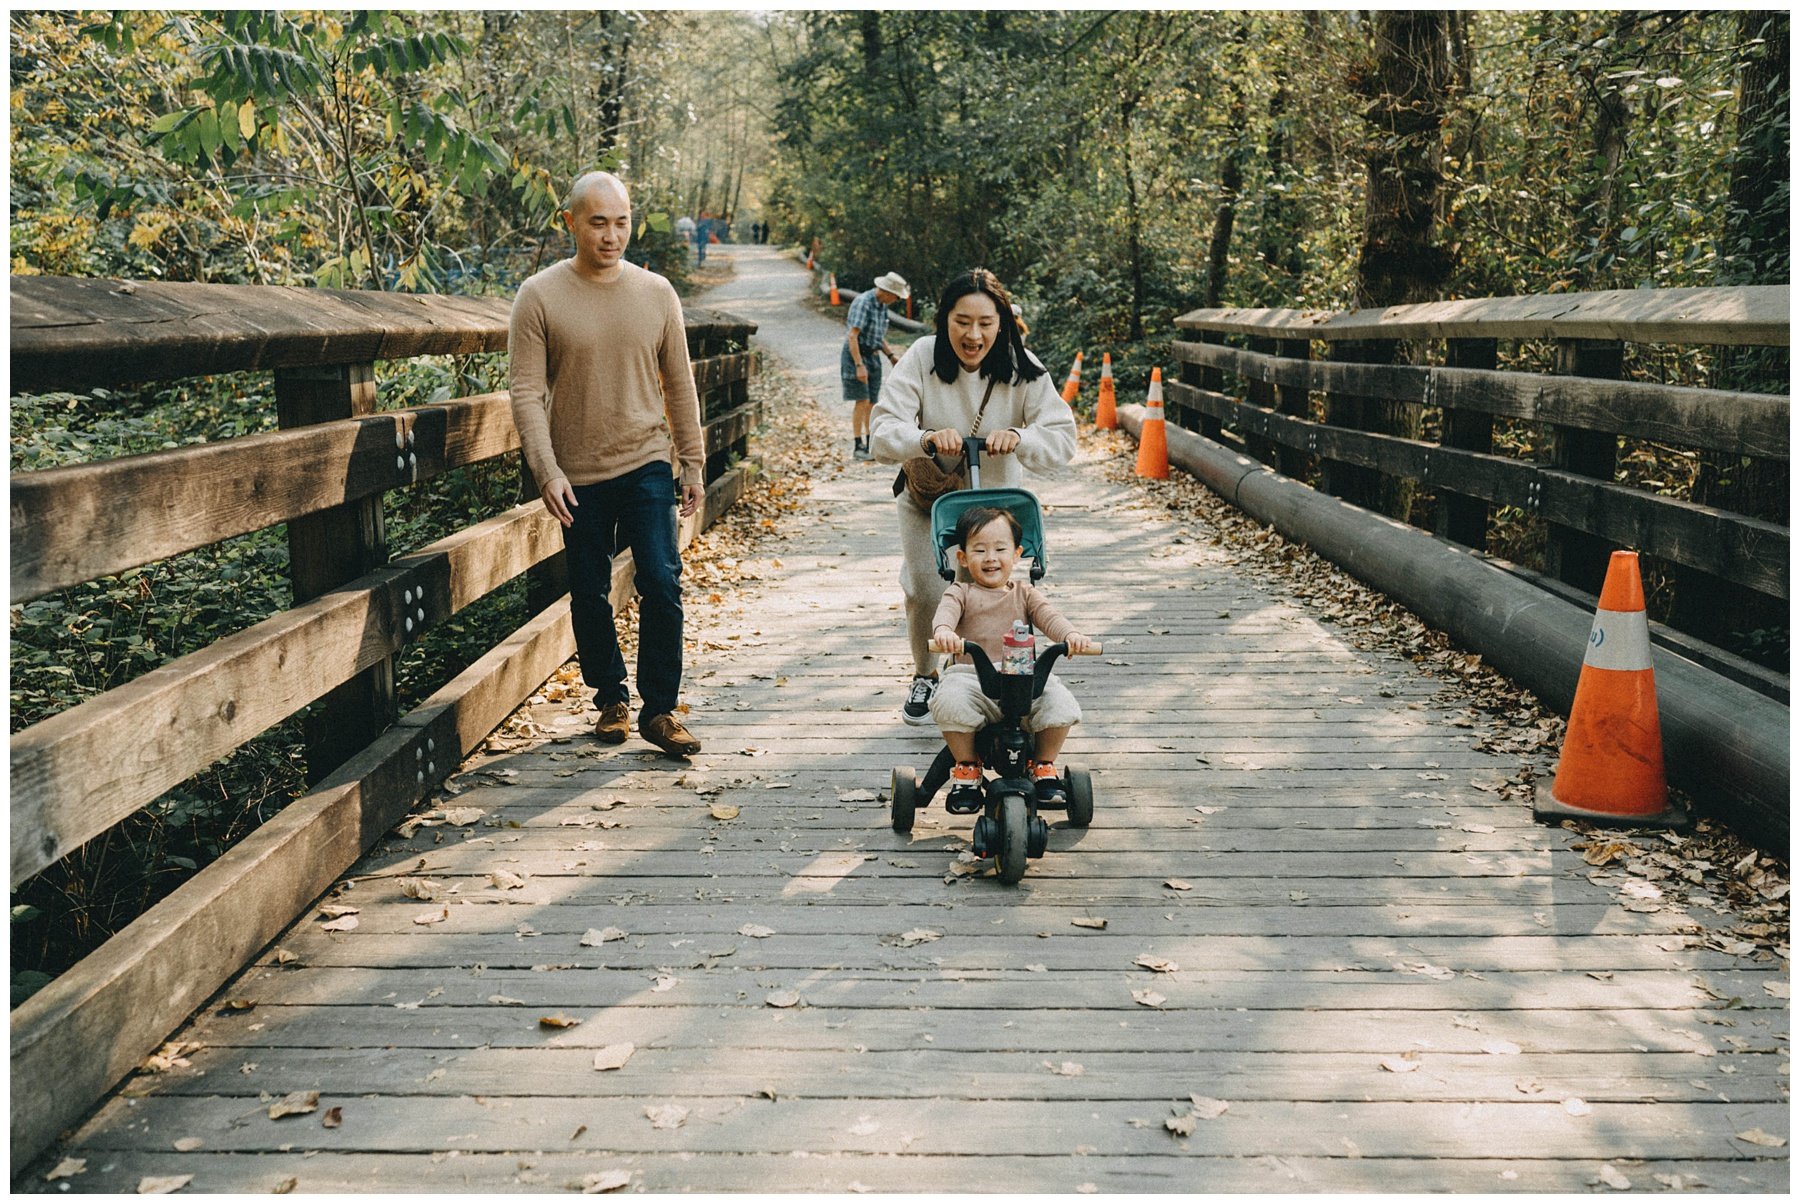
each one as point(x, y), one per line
point(904, 797)
point(1080, 789)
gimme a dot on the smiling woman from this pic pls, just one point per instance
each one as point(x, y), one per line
point(972, 377)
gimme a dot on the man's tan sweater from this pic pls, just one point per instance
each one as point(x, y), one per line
point(595, 368)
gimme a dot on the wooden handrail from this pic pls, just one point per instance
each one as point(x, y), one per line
point(72, 333)
point(1745, 315)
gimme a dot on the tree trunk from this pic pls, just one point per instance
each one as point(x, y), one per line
point(1134, 246)
point(1401, 260)
point(1280, 240)
point(1599, 202)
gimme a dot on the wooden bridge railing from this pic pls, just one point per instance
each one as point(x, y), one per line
point(1583, 404)
point(85, 769)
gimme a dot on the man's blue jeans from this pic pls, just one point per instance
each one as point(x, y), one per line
point(635, 511)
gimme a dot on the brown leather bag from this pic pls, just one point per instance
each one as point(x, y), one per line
point(925, 480)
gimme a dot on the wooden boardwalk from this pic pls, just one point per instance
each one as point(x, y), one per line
point(1391, 978)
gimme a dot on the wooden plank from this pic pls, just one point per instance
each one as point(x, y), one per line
point(73, 333)
point(958, 1127)
point(1743, 315)
point(1173, 1171)
point(1751, 424)
point(1745, 550)
point(79, 772)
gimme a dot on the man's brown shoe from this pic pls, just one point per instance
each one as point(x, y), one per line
point(665, 731)
point(614, 723)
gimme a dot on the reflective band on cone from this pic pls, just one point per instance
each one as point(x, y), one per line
point(1611, 770)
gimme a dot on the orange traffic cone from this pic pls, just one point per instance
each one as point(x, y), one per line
point(1106, 412)
point(909, 307)
point(1611, 771)
point(1153, 436)
point(1072, 386)
point(834, 292)
point(809, 261)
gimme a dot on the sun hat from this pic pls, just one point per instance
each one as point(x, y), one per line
point(894, 283)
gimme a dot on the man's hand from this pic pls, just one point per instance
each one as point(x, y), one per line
point(691, 497)
point(559, 500)
point(945, 639)
point(862, 372)
point(1001, 443)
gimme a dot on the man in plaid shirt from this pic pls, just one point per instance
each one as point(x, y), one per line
point(858, 368)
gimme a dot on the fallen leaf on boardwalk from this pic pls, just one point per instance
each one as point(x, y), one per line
point(153, 1185)
point(1597, 853)
point(1149, 998)
point(188, 1145)
point(1614, 1179)
point(1399, 1065)
point(1576, 1106)
point(346, 924)
point(294, 1104)
point(916, 936)
point(1758, 1137)
point(664, 982)
point(599, 936)
point(432, 917)
point(1528, 1087)
point(612, 1057)
point(1674, 944)
point(333, 1118)
point(1088, 922)
point(857, 796)
point(505, 1001)
point(783, 999)
point(1778, 989)
point(506, 880)
point(1490, 784)
point(68, 1168)
point(1679, 1182)
point(1067, 1069)
point(286, 1186)
point(238, 1005)
point(864, 1126)
point(604, 1181)
point(1038, 968)
point(1208, 1108)
point(1439, 973)
point(462, 817)
point(608, 804)
point(421, 888)
point(1086, 1189)
point(1209, 810)
point(724, 811)
point(1499, 1047)
point(557, 1020)
point(334, 911)
point(1181, 1126)
point(285, 958)
point(1178, 884)
point(1161, 965)
point(667, 1116)
point(1478, 829)
point(756, 930)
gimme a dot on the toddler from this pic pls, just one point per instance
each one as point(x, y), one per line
point(982, 610)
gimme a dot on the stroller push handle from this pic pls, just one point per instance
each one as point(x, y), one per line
point(972, 453)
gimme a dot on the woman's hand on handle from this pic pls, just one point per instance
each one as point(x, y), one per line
point(948, 442)
point(1002, 443)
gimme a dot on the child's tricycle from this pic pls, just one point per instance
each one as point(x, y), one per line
point(1009, 828)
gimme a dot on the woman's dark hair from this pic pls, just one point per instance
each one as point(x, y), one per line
point(1007, 360)
point(976, 517)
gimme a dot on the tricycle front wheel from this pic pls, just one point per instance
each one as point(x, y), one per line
point(904, 798)
point(1014, 835)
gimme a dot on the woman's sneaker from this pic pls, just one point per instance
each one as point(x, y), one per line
point(1048, 784)
point(917, 710)
point(965, 788)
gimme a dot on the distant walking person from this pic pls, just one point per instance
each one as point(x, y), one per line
point(599, 360)
point(702, 235)
point(684, 229)
point(865, 335)
point(972, 377)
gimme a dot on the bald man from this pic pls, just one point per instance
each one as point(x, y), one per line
point(600, 385)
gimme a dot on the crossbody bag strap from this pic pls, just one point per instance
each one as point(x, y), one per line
point(992, 381)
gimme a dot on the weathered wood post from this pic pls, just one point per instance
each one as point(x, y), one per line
point(1459, 517)
point(1261, 393)
point(1572, 555)
point(1295, 402)
point(331, 547)
point(1209, 378)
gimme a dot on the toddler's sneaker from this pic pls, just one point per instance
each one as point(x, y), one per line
point(917, 711)
point(965, 788)
point(1049, 785)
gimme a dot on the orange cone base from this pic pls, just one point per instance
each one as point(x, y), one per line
point(1106, 415)
point(1547, 809)
point(1153, 450)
